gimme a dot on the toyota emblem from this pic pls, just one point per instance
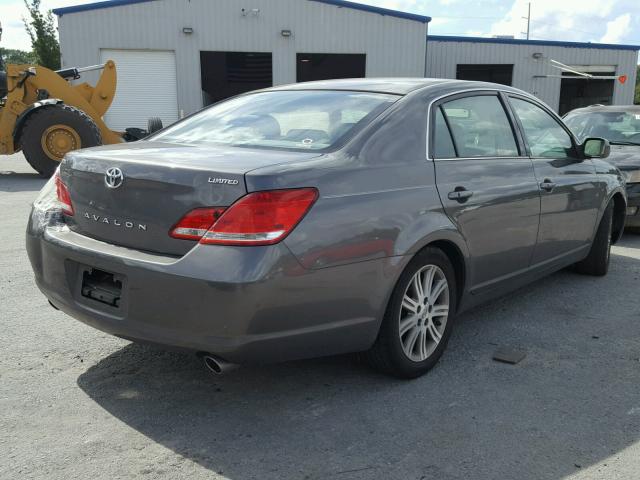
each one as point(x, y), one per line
point(114, 177)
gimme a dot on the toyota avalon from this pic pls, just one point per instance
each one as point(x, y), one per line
point(327, 217)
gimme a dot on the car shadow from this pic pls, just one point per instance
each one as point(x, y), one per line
point(630, 238)
point(11, 181)
point(565, 407)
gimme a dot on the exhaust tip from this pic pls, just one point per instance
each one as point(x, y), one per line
point(212, 364)
point(216, 365)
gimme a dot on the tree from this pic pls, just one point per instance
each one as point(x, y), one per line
point(637, 99)
point(42, 30)
point(10, 55)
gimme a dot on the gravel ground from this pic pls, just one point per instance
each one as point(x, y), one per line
point(77, 403)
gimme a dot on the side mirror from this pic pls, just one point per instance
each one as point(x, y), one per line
point(596, 148)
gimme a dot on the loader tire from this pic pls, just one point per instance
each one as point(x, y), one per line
point(52, 131)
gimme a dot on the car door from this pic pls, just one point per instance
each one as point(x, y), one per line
point(571, 194)
point(486, 183)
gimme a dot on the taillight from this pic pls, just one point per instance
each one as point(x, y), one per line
point(259, 218)
point(64, 199)
point(196, 223)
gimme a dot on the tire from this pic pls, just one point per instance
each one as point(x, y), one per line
point(153, 125)
point(45, 128)
point(391, 352)
point(597, 262)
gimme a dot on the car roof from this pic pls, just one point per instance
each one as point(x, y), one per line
point(607, 108)
point(396, 86)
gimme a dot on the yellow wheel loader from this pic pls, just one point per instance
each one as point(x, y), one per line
point(45, 116)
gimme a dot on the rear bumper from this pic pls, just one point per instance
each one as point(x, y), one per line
point(244, 304)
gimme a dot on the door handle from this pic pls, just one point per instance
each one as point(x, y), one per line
point(460, 194)
point(547, 185)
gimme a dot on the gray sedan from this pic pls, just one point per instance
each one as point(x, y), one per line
point(323, 218)
point(620, 125)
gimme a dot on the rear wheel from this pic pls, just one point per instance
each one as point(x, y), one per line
point(597, 262)
point(419, 317)
point(51, 132)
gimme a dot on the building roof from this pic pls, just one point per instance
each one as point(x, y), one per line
point(95, 6)
point(518, 41)
point(379, 10)
point(337, 3)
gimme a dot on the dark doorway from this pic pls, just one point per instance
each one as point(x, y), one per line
point(325, 66)
point(502, 74)
point(576, 92)
point(225, 74)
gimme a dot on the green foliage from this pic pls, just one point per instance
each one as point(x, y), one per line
point(10, 55)
point(637, 98)
point(42, 30)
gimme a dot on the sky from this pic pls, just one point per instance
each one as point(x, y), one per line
point(604, 21)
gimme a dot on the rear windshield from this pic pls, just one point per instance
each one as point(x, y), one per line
point(294, 119)
point(614, 126)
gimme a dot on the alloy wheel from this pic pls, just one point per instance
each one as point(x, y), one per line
point(424, 312)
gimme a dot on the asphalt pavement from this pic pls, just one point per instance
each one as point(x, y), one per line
point(79, 404)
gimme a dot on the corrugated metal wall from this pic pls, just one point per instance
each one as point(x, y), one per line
point(394, 46)
point(444, 56)
point(135, 102)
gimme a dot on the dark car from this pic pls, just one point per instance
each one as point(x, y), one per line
point(621, 126)
point(325, 217)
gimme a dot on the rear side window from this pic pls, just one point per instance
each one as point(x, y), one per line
point(480, 127)
point(442, 143)
point(544, 135)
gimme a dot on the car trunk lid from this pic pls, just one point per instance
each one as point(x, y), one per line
point(132, 194)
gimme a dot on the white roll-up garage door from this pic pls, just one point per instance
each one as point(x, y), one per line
point(147, 87)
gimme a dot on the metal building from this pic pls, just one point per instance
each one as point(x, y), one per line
point(176, 56)
point(531, 65)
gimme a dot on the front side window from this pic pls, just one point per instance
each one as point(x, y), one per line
point(545, 136)
point(294, 119)
point(480, 127)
